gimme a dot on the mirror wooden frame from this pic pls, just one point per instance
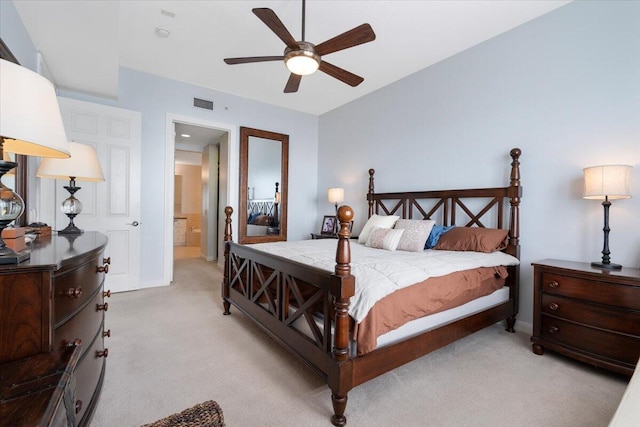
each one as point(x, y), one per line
point(245, 134)
point(21, 178)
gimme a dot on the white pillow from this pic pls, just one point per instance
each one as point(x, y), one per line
point(416, 233)
point(376, 221)
point(384, 238)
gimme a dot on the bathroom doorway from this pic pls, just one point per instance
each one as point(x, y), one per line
point(196, 189)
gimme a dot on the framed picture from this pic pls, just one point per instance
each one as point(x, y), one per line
point(328, 224)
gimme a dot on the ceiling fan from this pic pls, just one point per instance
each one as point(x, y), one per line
point(303, 58)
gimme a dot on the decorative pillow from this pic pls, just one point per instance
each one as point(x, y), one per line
point(415, 234)
point(384, 238)
point(253, 216)
point(436, 232)
point(376, 221)
point(263, 220)
point(473, 239)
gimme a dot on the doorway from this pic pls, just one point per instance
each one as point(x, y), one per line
point(196, 180)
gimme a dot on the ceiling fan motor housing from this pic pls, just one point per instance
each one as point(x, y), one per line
point(302, 61)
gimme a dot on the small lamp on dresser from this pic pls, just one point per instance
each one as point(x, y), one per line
point(335, 195)
point(83, 165)
point(609, 182)
point(30, 124)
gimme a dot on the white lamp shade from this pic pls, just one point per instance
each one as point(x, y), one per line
point(83, 165)
point(610, 181)
point(30, 119)
point(335, 195)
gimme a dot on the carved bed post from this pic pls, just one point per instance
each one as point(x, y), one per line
point(342, 289)
point(515, 193)
point(371, 192)
point(228, 237)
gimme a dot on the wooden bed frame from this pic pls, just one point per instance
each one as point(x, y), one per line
point(274, 299)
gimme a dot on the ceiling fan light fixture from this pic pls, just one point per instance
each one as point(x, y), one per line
point(303, 61)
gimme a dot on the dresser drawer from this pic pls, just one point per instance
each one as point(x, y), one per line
point(601, 316)
point(617, 295)
point(74, 287)
point(616, 347)
point(88, 374)
point(83, 325)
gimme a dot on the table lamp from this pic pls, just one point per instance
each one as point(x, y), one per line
point(335, 195)
point(30, 124)
point(606, 183)
point(83, 165)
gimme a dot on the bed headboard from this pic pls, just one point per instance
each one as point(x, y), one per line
point(261, 206)
point(482, 207)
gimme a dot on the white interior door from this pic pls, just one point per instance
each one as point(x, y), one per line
point(111, 207)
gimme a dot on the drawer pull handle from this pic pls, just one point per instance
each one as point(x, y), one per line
point(103, 353)
point(106, 260)
point(74, 292)
point(104, 306)
point(554, 330)
point(106, 333)
point(553, 306)
point(107, 294)
point(78, 406)
point(554, 284)
point(103, 269)
point(74, 343)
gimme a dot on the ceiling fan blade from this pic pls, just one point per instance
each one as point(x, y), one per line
point(249, 59)
point(274, 23)
point(293, 83)
point(340, 74)
point(354, 37)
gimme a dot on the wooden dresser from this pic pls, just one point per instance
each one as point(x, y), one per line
point(589, 314)
point(40, 390)
point(55, 300)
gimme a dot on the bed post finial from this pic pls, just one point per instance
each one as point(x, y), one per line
point(515, 193)
point(342, 289)
point(371, 192)
point(228, 237)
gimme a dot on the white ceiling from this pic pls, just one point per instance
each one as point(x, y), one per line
point(84, 42)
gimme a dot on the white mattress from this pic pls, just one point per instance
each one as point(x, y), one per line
point(378, 272)
point(423, 324)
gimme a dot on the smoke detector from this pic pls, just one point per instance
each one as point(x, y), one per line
point(162, 32)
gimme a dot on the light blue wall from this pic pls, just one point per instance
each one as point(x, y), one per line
point(15, 36)
point(565, 88)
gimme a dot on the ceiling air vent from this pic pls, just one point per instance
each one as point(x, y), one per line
point(202, 103)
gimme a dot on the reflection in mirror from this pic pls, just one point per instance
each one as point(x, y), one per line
point(264, 157)
point(19, 182)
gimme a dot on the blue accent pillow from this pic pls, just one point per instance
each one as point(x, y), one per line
point(252, 217)
point(436, 232)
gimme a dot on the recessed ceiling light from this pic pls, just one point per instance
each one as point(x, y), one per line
point(185, 135)
point(162, 32)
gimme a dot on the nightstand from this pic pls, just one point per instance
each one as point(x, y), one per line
point(316, 236)
point(589, 314)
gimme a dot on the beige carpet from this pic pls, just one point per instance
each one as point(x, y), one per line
point(171, 348)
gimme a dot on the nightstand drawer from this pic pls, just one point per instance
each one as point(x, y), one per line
point(617, 347)
point(614, 319)
point(591, 290)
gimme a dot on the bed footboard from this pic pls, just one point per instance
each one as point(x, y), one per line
point(282, 296)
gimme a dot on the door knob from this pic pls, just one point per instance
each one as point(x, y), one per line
point(134, 223)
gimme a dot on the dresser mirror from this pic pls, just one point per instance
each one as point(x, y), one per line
point(264, 163)
point(19, 178)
